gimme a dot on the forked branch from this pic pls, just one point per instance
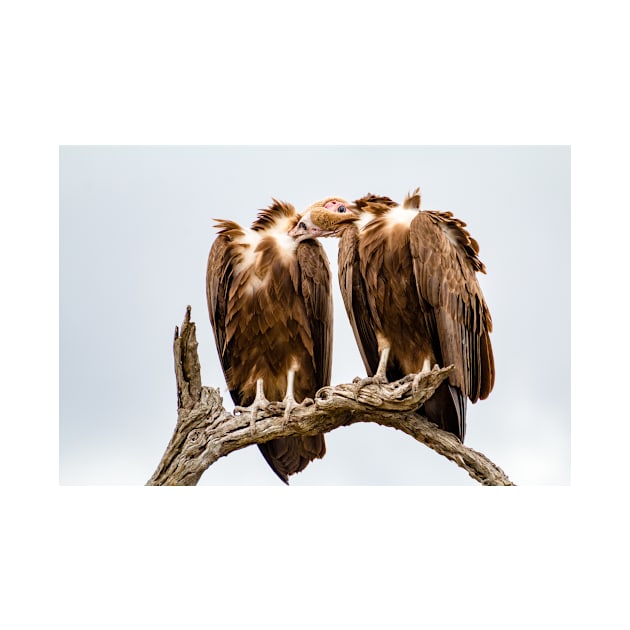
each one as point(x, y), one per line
point(205, 431)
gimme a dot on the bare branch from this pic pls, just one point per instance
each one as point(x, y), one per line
point(205, 431)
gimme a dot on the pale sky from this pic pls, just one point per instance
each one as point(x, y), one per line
point(135, 231)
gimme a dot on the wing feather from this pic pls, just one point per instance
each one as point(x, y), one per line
point(445, 263)
point(315, 286)
point(219, 274)
point(356, 299)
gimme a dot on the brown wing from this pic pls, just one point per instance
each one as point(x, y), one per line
point(316, 291)
point(445, 261)
point(355, 299)
point(218, 274)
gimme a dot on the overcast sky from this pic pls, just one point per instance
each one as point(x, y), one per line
point(135, 231)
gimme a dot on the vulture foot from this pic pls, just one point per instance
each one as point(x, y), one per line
point(377, 379)
point(419, 376)
point(288, 404)
point(380, 378)
point(255, 410)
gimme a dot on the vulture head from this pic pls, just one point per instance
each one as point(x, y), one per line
point(324, 218)
point(332, 215)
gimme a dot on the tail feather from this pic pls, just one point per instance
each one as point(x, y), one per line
point(290, 455)
point(447, 409)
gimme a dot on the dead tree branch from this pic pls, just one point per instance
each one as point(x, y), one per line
point(205, 431)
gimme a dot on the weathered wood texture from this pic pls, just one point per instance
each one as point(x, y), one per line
point(205, 431)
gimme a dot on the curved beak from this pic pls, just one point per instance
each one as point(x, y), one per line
point(305, 228)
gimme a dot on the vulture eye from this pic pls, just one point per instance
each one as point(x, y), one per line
point(302, 226)
point(341, 208)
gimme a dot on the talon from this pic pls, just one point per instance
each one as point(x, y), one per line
point(260, 404)
point(289, 401)
point(369, 380)
point(416, 382)
point(380, 378)
point(288, 404)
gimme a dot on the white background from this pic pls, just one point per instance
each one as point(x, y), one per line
point(333, 73)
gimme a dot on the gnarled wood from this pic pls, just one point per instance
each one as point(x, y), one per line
point(205, 431)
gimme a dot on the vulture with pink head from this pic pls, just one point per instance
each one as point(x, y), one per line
point(409, 285)
point(270, 304)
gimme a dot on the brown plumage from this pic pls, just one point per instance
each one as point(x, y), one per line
point(409, 287)
point(270, 307)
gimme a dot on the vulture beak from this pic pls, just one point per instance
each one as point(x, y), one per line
point(305, 229)
point(324, 218)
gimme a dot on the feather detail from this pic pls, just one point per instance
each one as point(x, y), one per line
point(268, 217)
point(412, 200)
point(270, 308)
point(408, 277)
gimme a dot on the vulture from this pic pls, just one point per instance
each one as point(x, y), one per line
point(409, 285)
point(270, 305)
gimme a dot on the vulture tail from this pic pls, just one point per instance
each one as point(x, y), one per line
point(290, 455)
point(447, 409)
